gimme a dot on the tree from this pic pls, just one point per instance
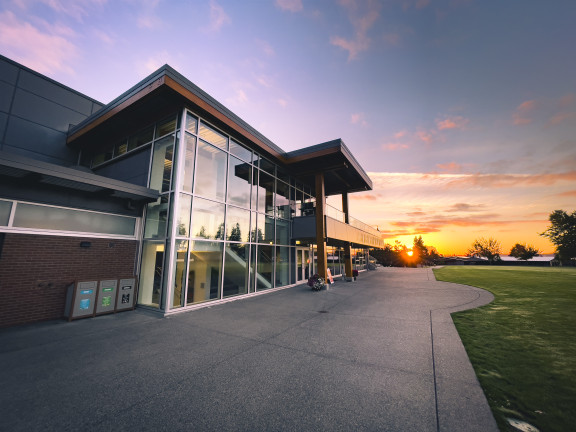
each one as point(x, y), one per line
point(486, 248)
point(562, 233)
point(523, 251)
point(420, 251)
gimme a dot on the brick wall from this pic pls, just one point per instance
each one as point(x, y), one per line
point(35, 271)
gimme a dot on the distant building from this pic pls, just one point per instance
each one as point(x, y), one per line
point(164, 184)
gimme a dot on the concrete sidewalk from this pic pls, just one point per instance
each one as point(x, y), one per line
point(381, 354)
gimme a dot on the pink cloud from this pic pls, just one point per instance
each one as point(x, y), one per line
point(450, 167)
point(393, 146)
point(218, 17)
point(46, 50)
point(416, 4)
point(510, 180)
point(522, 114)
point(290, 5)
point(566, 101)
point(561, 117)
point(455, 122)
point(362, 22)
point(358, 119)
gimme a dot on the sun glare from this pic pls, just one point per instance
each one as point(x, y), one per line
point(410, 253)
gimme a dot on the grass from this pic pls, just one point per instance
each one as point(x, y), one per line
point(523, 344)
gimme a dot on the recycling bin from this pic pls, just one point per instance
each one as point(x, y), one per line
point(80, 300)
point(126, 293)
point(106, 300)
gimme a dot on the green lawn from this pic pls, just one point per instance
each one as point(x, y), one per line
point(523, 344)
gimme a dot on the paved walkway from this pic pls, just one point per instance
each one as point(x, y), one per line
point(381, 354)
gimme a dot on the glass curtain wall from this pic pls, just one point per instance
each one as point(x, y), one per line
point(222, 226)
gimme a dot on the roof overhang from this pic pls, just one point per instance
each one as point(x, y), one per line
point(21, 168)
point(342, 172)
point(166, 91)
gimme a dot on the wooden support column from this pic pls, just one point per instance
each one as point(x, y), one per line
point(321, 256)
point(347, 248)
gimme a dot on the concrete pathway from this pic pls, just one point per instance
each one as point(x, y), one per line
point(381, 354)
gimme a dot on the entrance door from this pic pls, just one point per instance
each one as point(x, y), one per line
point(302, 264)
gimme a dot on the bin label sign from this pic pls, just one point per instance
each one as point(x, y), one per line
point(89, 291)
point(127, 287)
point(106, 301)
point(85, 304)
point(108, 289)
point(125, 298)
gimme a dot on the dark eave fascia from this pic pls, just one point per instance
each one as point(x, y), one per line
point(74, 176)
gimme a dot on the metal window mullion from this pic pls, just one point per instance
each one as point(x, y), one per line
point(175, 176)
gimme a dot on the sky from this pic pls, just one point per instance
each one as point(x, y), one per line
point(463, 112)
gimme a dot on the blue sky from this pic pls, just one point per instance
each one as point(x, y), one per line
point(462, 111)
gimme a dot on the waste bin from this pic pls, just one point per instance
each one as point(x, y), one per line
point(80, 300)
point(106, 300)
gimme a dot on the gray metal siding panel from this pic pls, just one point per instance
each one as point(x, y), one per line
point(132, 169)
point(6, 92)
point(8, 72)
point(48, 90)
point(44, 112)
point(38, 142)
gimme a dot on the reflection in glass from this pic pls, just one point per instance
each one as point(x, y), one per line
point(179, 284)
point(141, 138)
point(211, 135)
point(120, 148)
point(239, 182)
point(162, 164)
point(183, 216)
point(150, 286)
point(191, 123)
point(165, 126)
point(211, 172)
point(282, 200)
point(237, 224)
point(266, 193)
point(204, 271)
point(190, 144)
point(207, 219)
point(236, 266)
point(240, 151)
point(264, 267)
point(267, 166)
point(156, 217)
point(5, 207)
point(265, 229)
point(282, 266)
point(282, 231)
point(63, 219)
point(296, 202)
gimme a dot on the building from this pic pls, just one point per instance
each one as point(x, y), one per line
point(166, 184)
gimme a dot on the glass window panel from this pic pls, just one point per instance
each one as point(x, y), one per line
point(239, 182)
point(266, 193)
point(210, 172)
point(150, 281)
point(140, 138)
point(191, 123)
point(165, 127)
point(265, 229)
point(259, 233)
point(180, 275)
point(183, 217)
point(255, 188)
point(189, 151)
point(282, 266)
point(63, 219)
point(282, 200)
point(207, 219)
point(282, 175)
point(237, 224)
point(120, 148)
point(5, 208)
point(282, 231)
point(265, 267)
point(308, 207)
point(295, 202)
point(204, 271)
point(156, 217)
point(267, 166)
point(162, 164)
point(240, 151)
point(213, 136)
point(102, 157)
point(236, 269)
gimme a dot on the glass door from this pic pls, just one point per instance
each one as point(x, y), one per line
point(302, 264)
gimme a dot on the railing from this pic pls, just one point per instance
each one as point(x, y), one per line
point(334, 213)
